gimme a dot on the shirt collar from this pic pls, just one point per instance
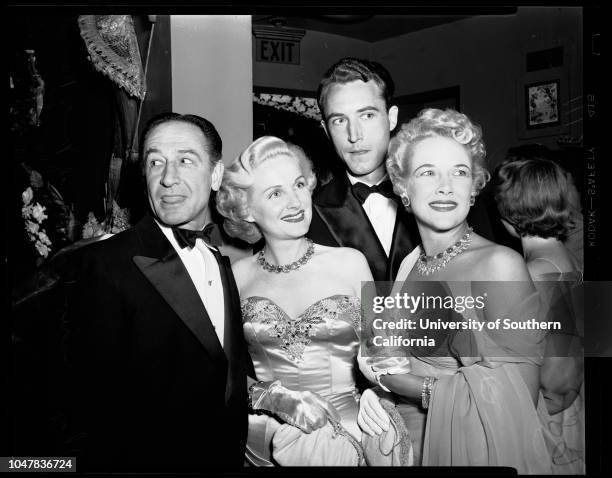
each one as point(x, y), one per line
point(167, 230)
point(355, 179)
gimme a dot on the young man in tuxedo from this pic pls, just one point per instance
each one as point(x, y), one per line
point(155, 332)
point(357, 208)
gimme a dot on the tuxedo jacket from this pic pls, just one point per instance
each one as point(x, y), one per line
point(153, 389)
point(338, 219)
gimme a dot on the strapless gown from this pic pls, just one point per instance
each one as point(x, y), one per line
point(480, 411)
point(315, 351)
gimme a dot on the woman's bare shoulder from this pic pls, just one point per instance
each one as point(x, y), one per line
point(346, 261)
point(346, 255)
point(500, 263)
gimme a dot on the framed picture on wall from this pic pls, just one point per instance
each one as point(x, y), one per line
point(543, 102)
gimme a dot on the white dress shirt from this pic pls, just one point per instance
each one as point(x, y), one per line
point(203, 270)
point(381, 212)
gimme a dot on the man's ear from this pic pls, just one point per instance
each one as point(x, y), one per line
point(217, 175)
point(325, 128)
point(392, 117)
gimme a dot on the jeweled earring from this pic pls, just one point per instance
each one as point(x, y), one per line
point(406, 201)
point(472, 199)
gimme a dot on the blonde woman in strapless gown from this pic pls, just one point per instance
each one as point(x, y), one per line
point(301, 310)
point(473, 402)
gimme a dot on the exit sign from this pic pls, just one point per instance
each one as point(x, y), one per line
point(278, 51)
point(277, 44)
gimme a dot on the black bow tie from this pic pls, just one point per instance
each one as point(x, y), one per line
point(211, 235)
point(362, 191)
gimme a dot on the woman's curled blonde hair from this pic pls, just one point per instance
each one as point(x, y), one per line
point(431, 123)
point(232, 197)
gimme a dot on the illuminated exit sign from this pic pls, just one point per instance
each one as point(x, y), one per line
point(277, 44)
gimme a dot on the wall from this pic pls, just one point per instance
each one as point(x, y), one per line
point(318, 51)
point(212, 74)
point(485, 56)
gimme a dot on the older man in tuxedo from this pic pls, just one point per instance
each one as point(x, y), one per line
point(358, 209)
point(155, 333)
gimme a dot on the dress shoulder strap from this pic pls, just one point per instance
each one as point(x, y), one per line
point(549, 261)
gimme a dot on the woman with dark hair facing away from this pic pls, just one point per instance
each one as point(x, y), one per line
point(533, 198)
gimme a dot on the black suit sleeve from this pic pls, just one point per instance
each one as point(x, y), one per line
point(93, 332)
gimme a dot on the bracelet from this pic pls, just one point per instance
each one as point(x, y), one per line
point(250, 393)
point(428, 384)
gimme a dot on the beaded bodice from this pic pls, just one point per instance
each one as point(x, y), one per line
point(315, 350)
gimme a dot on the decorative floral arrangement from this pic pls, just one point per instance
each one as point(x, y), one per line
point(51, 228)
point(48, 221)
point(294, 104)
point(120, 221)
point(34, 215)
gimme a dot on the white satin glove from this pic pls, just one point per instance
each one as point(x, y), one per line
point(389, 366)
point(372, 417)
point(305, 410)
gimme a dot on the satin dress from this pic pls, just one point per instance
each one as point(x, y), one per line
point(315, 351)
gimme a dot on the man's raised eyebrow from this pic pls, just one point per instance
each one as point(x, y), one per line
point(151, 150)
point(188, 151)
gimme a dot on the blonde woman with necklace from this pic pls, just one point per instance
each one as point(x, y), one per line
point(301, 313)
point(474, 403)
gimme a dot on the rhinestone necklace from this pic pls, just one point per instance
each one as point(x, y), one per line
point(427, 265)
point(261, 260)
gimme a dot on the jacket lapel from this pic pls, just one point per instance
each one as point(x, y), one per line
point(162, 266)
point(405, 238)
point(233, 338)
point(349, 225)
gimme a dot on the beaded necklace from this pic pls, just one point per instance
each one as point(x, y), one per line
point(427, 265)
point(261, 260)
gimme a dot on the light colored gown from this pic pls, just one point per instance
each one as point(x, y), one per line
point(564, 432)
point(480, 411)
point(315, 351)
